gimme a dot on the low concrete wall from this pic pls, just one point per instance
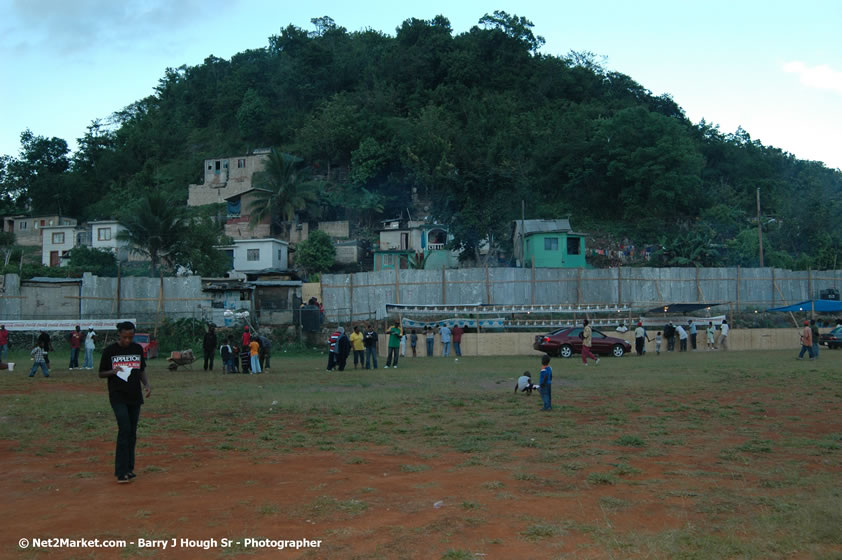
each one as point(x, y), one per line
point(520, 343)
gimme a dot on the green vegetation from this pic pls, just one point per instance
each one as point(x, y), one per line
point(452, 126)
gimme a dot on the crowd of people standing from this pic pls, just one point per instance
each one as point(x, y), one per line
point(364, 344)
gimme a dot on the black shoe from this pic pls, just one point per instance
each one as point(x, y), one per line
point(123, 479)
point(131, 476)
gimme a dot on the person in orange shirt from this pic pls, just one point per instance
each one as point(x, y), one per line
point(254, 355)
point(806, 341)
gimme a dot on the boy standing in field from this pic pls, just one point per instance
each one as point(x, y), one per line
point(711, 334)
point(395, 334)
point(546, 382)
point(39, 354)
point(358, 346)
point(658, 340)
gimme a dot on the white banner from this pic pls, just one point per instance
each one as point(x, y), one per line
point(64, 325)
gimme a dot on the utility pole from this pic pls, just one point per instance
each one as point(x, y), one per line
point(759, 228)
point(522, 233)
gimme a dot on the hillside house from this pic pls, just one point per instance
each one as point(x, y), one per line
point(226, 177)
point(28, 229)
point(401, 240)
point(547, 244)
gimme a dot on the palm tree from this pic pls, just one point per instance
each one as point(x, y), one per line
point(284, 189)
point(156, 228)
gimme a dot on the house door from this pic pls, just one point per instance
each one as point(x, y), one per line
point(53, 258)
point(404, 241)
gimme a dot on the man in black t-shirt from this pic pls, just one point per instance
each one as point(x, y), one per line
point(209, 347)
point(124, 366)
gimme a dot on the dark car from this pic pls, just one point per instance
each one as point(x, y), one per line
point(568, 341)
point(833, 339)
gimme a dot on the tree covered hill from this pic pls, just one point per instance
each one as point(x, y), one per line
point(458, 127)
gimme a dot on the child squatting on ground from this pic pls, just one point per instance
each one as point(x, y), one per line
point(524, 384)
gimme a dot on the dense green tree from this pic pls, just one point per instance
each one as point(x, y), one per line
point(316, 254)
point(457, 128)
point(99, 262)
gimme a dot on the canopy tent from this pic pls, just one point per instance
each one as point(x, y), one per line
point(819, 305)
point(682, 307)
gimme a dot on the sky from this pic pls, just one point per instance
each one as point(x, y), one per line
point(772, 67)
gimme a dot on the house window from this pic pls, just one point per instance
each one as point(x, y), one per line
point(210, 166)
point(573, 246)
point(103, 234)
point(241, 163)
point(44, 222)
point(245, 295)
point(253, 254)
point(387, 260)
point(225, 164)
point(280, 255)
point(551, 243)
point(23, 225)
point(58, 238)
point(217, 167)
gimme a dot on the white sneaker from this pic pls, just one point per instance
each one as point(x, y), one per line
point(385, 367)
point(597, 361)
point(585, 364)
point(396, 367)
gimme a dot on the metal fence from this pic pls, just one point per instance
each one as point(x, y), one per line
point(361, 296)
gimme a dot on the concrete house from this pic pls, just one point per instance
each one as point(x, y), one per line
point(28, 229)
point(401, 240)
point(104, 236)
point(225, 177)
point(237, 224)
point(57, 241)
point(547, 244)
point(256, 255)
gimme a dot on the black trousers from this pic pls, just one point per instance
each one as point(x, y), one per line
point(393, 352)
point(127, 416)
point(209, 355)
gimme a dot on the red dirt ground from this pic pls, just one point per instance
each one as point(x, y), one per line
point(211, 494)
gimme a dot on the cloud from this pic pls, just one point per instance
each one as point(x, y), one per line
point(819, 77)
point(67, 27)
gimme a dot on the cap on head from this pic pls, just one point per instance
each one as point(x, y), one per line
point(806, 322)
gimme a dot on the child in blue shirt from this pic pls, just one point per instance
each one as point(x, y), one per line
point(546, 381)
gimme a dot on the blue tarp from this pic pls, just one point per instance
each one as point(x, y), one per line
point(820, 305)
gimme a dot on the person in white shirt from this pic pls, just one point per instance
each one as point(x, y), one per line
point(524, 384)
point(682, 338)
point(639, 339)
point(723, 335)
point(89, 348)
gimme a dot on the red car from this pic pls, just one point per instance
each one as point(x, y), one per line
point(568, 341)
point(833, 339)
point(148, 343)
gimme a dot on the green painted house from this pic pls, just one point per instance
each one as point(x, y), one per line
point(548, 244)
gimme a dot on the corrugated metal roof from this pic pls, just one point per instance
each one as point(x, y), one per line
point(293, 283)
point(546, 226)
point(48, 280)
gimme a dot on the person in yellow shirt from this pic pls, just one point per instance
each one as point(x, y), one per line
point(357, 346)
point(254, 356)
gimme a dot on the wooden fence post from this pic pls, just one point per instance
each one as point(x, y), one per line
point(351, 298)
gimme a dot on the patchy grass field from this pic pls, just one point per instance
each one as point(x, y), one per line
point(698, 455)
